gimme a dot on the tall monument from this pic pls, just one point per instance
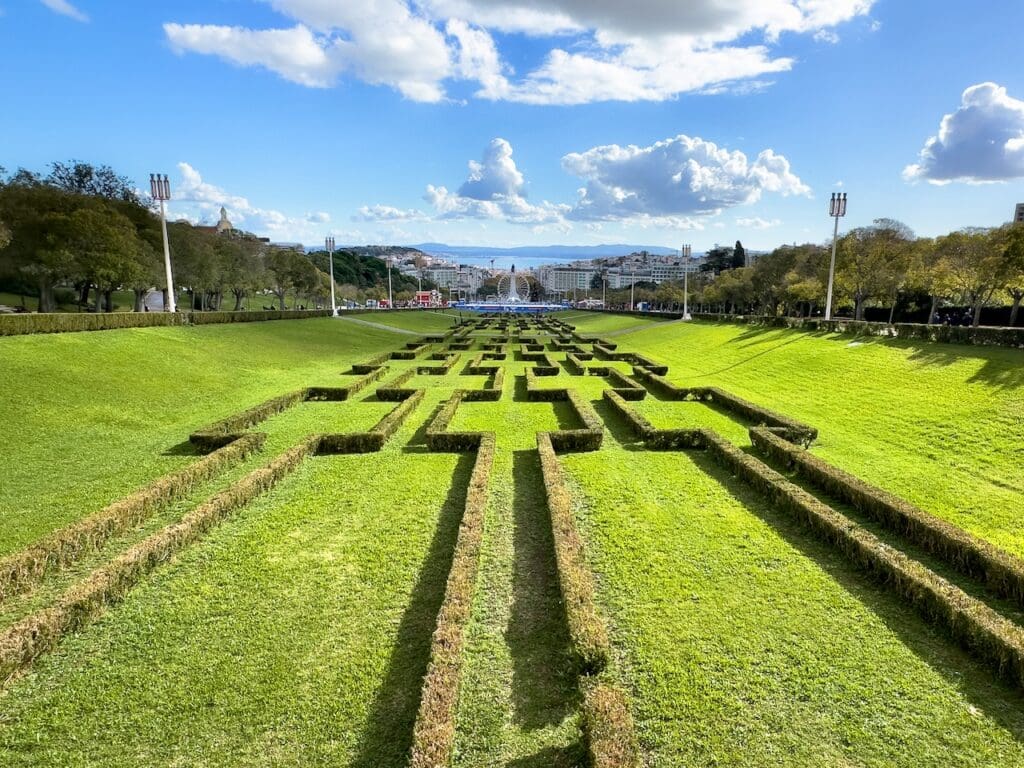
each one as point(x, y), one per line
point(224, 225)
point(513, 292)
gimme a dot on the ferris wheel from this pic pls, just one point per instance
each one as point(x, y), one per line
point(513, 287)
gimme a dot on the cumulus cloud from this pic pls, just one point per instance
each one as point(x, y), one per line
point(756, 222)
point(673, 179)
point(982, 141)
point(388, 213)
point(495, 189)
point(64, 8)
point(195, 200)
point(616, 51)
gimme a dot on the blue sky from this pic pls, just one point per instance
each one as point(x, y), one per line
point(519, 122)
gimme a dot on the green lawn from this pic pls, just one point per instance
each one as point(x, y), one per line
point(746, 642)
point(88, 417)
point(297, 631)
point(937, 424)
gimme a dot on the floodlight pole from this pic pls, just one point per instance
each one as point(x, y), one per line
point(836, 209)
point(160, 189)
point(391, 301)
point(329, 242)
point(686, 250)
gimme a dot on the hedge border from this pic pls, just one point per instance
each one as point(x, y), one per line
point(375, 439)
point(608, 730)
point(25, 640)
point(434, 728)
point(968, 620)
point(68, 322)
point(61, 548)
point(654, 439)
point(1000, 571)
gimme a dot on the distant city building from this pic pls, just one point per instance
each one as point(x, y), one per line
point(1018, 215)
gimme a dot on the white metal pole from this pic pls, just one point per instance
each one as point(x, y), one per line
point(391, 301)
point(330, 254)
point(171, 305)
point(832, 267)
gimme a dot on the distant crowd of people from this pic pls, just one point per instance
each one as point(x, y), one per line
point(951, 318)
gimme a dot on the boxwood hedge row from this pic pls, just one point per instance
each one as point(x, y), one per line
point(971, 622)
point(434, 729)
point(66, 322)
point(64, 547)
point(1000, 571)
point(39, 632)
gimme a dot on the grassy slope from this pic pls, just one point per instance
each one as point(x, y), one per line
point(427, 320)
point(88, 417)
point(747, 643)
point(296, 634)
point(937, 424)
point(600, 322)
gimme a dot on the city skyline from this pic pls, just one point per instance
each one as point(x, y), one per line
point(513, 123)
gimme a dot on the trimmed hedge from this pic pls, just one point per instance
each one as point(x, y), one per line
point(438, 436)
point(23, 641)
point(608, 728)
point(793, 430)
point(64, 547)
point(574, 364)
point(968, 620)
point(655, 439)
point(65, 322)
point(434, 729)
point(370, 365)
point(344, 393)
point(439, 370)
point(228, 430)
point(374, 440)
point(588, 636)
point(394, 390)
point(409, 353)
point(1000, 571)
point(589, 437)
point(625, 386)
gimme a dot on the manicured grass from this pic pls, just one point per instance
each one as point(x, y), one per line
point(296, 634)
point(518, 701)
point(601, 322)
point(746, 642)
point(88, 417)
point(937, 424)
point(425, 320)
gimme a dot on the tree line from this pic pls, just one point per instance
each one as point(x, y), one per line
point(79, 233)
point(883, 265)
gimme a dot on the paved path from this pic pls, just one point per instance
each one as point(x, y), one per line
point(381, 326)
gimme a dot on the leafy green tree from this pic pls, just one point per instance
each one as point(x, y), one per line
point(975, 265)
point(739, 256)
point(1010, 241)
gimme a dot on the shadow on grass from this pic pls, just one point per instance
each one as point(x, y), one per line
point(617, 426)
point(184, 448)
point(387, 734)
point(418, 442)
point(544, 690)
point(996, 697)
point(572, 756)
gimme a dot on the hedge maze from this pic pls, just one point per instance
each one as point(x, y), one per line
point(974, 591)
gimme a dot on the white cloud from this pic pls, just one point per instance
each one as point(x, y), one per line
point(756, 222)
point(982, 141)
point(197, 200)
point(672, 180)
point(826, 36)
point(388, 213)
point(495, 189)
point(64, 8)
point(651, 50)
point(381, 42)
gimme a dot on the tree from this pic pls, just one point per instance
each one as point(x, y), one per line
point(290, 271)
point(739, 256)
point(975, 265)
point(873, 261)
point(1010, 241)
point(78, 178)
point(718, 259)
point(106, 250)
point(5, 235)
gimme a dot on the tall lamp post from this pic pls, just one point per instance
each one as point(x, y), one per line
point(836, 209)
point(391, 301)
point(160, 189)
point(686, 251)
point(329, 242)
